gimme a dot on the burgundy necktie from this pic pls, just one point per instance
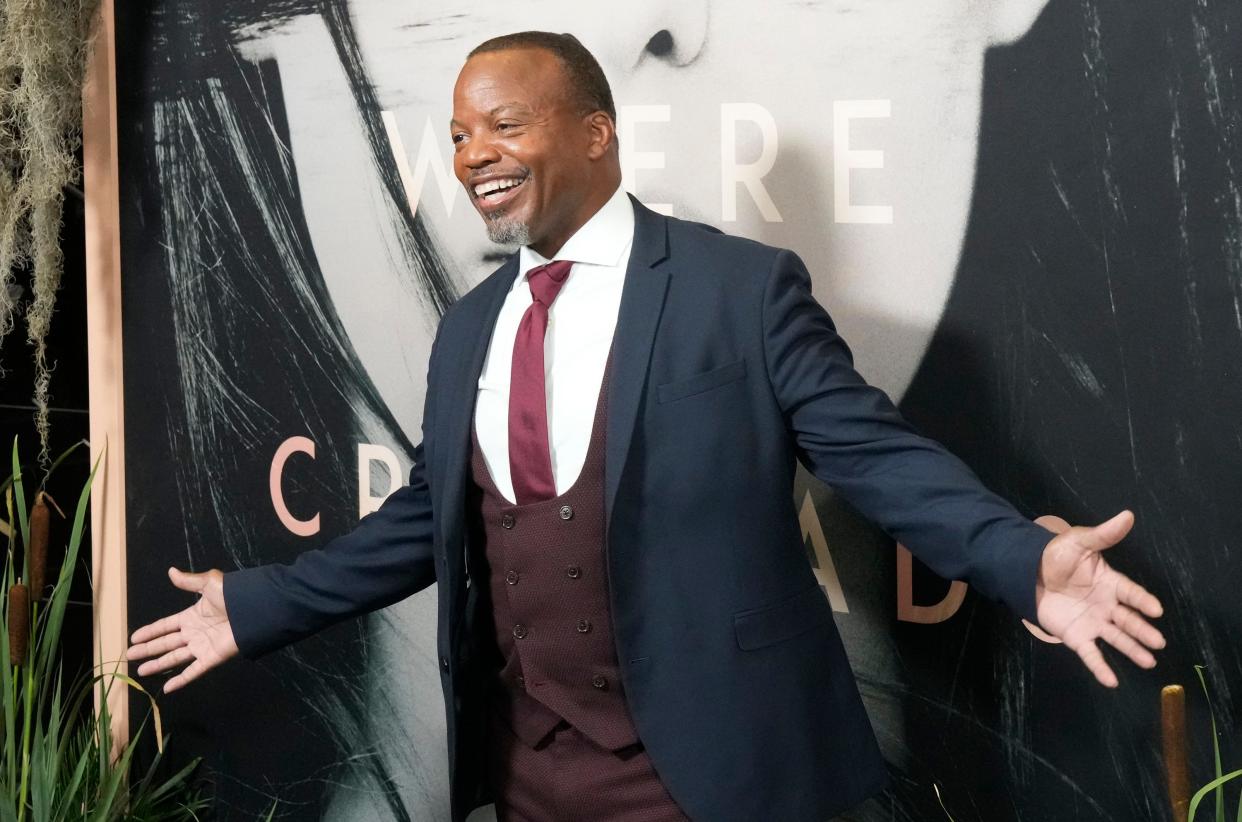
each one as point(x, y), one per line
point(530, 455)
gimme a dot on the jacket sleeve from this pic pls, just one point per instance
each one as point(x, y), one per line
point(387, 557)
point(851, 436)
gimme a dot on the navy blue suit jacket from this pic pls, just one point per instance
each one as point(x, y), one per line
point(726, 371)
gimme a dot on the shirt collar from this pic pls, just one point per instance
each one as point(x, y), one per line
point(601, 240)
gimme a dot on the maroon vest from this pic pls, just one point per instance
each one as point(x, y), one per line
point(549, 593)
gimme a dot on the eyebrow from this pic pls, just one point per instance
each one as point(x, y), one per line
point(520, 107)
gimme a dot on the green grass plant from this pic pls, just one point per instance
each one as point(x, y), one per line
point(58, 762)
point(1217, 784)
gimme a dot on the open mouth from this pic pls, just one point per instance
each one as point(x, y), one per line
point(496, 192)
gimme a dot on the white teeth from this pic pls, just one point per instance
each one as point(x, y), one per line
point(495, 185)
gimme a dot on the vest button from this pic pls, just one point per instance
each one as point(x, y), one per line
point(444, 663)
point(521, 681)
point(566, 512)
point(599, 682)
point(573, 572)
point(506, 521)
point(519, 630)
point(584, 625)
point(511, 577)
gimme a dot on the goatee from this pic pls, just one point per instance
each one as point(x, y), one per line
point(507, 231)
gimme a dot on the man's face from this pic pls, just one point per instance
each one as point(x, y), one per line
point(520, 146)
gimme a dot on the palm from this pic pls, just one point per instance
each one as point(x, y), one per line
point(206, 628)
point(1080, 597)
point(200, 635)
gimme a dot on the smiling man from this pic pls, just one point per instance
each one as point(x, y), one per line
point(534, 139)
point(628, 626)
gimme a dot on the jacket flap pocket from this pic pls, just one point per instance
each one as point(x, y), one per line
point(701, 382)
point(757, 627)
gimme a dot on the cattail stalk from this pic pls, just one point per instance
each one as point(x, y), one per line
point(19, 623)
point(40, 522)
point(1173, 733)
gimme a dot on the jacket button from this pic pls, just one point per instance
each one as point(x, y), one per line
point(506, 521)
point(444, 663)
point(566, 512)
point(599, 682)
point(584, 625)
point(521, 681)
point(573, 572)
point(511, 577)
point(519, 630)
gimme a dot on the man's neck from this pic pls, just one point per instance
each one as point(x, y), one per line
point(549, 247)
point(601, 241)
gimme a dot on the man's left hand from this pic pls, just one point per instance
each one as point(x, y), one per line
point(1079, 597)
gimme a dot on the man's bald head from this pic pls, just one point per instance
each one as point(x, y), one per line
point(586, 82)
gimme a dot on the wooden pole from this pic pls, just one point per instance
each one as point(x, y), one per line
point(103, 329)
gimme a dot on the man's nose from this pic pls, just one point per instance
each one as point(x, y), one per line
point(477, 153)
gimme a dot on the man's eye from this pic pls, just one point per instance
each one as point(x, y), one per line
point(457, 138)
point(503, 126)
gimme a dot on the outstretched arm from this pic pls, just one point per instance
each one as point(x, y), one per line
point(254, 611)
point(851, 436)
point(386, 558)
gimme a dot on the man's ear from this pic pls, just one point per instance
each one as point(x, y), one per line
point(1011, 19)
point(603, 134)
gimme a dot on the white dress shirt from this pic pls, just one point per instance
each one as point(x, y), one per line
point(581, 322)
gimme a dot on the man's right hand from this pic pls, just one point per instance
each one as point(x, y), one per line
point(200, 635)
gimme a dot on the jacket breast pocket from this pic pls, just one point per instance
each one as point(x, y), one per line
point(784, 619)
point(703, 381)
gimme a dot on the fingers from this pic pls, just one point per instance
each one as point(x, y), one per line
point(1128, 645)
point(1134, 625)
point(172, 659)
point(1094, 660)
point(1125, 630)
point(1136, 596)
point(161, 645)
point(171, 623)
point(167, 625)
point(191, 673)
point(187, 582)
point(1108, 533)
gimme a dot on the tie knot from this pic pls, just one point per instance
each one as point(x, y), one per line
point(546, 280)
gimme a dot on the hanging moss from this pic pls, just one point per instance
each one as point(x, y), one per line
point(43, 50)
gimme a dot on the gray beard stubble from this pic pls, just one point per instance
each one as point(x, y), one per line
point(506, 231)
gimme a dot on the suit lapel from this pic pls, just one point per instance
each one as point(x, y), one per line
point(458, 414)
point(642, 298)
